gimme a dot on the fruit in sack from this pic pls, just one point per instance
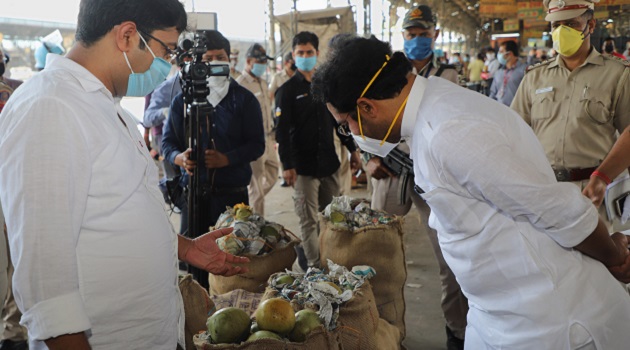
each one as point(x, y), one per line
point(275, 315)
point(228, 325)
point(285, 279)
point(305, 322)
point(264, 335)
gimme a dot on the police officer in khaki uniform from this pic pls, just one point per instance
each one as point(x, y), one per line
point(577, 102)
point(420, 34)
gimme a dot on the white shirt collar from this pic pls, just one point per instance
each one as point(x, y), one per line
point(413, 106)
point(88, 81)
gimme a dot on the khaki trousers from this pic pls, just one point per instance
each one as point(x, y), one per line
point(11, 329)
point(311, 196)
point(265, 172)
point(344, 172)
point(453, 303)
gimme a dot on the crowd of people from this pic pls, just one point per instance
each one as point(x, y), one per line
point(509, 174)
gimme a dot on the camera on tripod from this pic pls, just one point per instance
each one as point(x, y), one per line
point(195, 71)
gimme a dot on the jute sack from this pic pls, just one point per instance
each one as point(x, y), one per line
point(358, 319)
point(387, 336)
point(260, 268)
point(378, 246)
point(197, 306)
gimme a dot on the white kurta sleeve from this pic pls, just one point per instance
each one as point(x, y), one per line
point(46, 167)
point(482, 161)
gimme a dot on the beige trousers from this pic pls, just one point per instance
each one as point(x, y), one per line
point(453, 303)
point(344, 172)
point(265, 172)
point(311, 196)
point(11, 329)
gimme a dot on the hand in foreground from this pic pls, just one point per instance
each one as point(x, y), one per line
point(183, 161)
point(376, 169)
point(204, 253)
point(621, 272)
point(290, 176)
point(355, 162)
point(595, 190)
point(215, 159)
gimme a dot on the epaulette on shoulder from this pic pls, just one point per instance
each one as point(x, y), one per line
point(617, 59)
point(539, 64)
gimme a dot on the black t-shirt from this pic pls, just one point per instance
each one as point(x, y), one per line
point(305, 130)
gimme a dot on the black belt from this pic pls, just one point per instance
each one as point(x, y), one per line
point(565, 175)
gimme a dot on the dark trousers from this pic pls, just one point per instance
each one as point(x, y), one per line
point(216, 206)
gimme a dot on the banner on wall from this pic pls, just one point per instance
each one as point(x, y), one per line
point(497, 8)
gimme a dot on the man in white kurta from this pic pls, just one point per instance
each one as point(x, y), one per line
point(95, 255)
point(105, 252)
point(514, 237)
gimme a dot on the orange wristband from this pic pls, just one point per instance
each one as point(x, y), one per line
point(601, 176)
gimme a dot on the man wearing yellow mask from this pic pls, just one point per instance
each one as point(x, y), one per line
point(575, 102)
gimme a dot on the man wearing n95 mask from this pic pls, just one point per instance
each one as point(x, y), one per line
point(234, 139)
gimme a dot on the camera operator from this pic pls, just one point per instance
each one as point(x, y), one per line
point(234, 139)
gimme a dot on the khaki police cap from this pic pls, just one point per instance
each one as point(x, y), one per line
point(562, 10)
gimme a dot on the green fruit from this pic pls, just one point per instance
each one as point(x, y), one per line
point(264, 335)
point(275, 315)
point(228, 325)
point(243, 214)
point(305, 322)
point(337, 217)
point(285, 279)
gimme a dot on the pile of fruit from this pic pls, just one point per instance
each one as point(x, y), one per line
point(320, 291)
point(274, 319)
point(252, 234)
point(347, 212)
point(315, 295)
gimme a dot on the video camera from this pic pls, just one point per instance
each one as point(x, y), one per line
point(195, 71)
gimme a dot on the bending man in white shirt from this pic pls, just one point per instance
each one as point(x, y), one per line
point(94, 252)
point(531, 254)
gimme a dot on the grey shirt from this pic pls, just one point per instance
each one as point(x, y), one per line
point(506, 82)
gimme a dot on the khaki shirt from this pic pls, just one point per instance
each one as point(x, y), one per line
point(278, 79)
point(570, 112)
point(259, 88)
point(448, 73)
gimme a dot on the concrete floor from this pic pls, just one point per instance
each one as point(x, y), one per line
point(423, 316)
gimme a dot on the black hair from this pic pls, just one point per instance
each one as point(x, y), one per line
point(287, 57)
point(216, 41)
point(609, 39)
point(481, 56)
point(303, 38)
point(348, 69)
point(490, 49)
point(512, 46)
point(98, 17)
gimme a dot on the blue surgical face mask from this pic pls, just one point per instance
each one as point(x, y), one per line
point(141, 84)
point(418, 48)
point(501, 58)
point(306, 63)
point(259, 69)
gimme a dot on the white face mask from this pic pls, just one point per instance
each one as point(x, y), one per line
point(490, 56)
point(218, 86)
point(374, 146)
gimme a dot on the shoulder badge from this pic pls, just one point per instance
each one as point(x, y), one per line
point(617, 59)
point(539, 64)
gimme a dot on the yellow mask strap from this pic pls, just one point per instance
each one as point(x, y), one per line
point(366, 89)
point(402, 106)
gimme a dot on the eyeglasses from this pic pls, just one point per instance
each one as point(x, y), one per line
point(170, 53)
point(344, 129)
